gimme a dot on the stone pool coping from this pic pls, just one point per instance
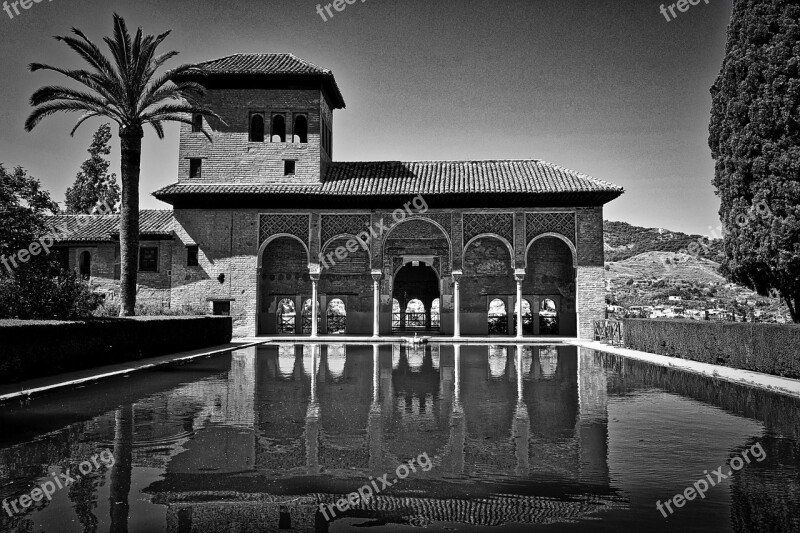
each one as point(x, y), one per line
point(738, 376)
point(389, 339)
point(41, 385)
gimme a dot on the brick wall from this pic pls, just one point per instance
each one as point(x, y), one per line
point(231, 158)
point(590, 271)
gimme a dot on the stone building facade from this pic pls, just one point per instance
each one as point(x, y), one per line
point(268, 227)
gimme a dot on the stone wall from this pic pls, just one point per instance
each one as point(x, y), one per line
point(232, 242)
point(231, 158)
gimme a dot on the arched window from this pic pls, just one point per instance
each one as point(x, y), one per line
point(85, 265)
point(527, 317)
point(278, 129)
point(300, 129)
point(396, 316)
point(197, 123)
point(286, 316)
point(306, 315)
point(415, 314)
point(337, 317)
point(257, 129)
point(548, 317)
point(436, 318)
point(498, 317)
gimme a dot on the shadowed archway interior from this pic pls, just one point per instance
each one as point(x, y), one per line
point(415, 281)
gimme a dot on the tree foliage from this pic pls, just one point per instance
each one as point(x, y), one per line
point(24, 206)
point(93, 185)
point(37, 287)
point(755, 142)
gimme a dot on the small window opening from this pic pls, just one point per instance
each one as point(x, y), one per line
point(288, 167)
point(197, 123)
point(192, 253)
point(257, 129)
point(300, 129)
point(278, 129)
point(195, 168)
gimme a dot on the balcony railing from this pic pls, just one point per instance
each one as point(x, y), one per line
point(286, 324)
point(414, 322)
point(337, 324)
point(608, 332)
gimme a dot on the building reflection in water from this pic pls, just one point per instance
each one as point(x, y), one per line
point(517, 435)
point(305, 425)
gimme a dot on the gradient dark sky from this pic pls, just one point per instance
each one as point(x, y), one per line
point(609, 88)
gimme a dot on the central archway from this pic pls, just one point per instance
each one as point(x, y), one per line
point(415, 281)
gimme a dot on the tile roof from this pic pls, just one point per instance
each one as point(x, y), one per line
point(382, 178)
point(92, 228)
point(262, 64)
point(284, 64)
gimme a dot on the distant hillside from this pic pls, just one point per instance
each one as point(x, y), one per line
point(644, 267)
point(623, 241)
point(668, 266)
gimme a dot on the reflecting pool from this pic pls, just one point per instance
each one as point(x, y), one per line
point(392, 437)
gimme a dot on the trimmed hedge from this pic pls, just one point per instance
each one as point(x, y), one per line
point(36, 348)
point(768, 348)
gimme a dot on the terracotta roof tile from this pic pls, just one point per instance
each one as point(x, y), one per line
point(380, 178)
point(92, 228)
point(262, 64)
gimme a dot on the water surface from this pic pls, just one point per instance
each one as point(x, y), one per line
point(511, 437)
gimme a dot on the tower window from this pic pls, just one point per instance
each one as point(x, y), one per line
point(192, 253)
point(195, 168)
point(300, 129)
point(257, 129)
point(197, 123)
point(278, 129)
point(288, 167)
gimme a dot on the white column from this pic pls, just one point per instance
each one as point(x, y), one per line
point(456, 304)
point(314, 310)
point(519, 275)
point(376, 303)
point(315, 272)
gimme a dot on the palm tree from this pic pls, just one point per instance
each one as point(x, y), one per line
point(126, 89)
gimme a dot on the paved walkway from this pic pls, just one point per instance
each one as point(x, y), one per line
point(71, 379)
point(734, 375)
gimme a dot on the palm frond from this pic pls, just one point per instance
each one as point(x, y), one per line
point(84, 118)
point(158, 127)
point(50, 108)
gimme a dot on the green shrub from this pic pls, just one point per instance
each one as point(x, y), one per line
point(111, 309)
point(44, 347)
point(767, 348)
point(41, 290)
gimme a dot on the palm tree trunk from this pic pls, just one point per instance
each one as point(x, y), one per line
point(131, 148)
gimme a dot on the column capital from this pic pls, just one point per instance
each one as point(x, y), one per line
point(314, 270)
point(457, 274)
point(377, 274)
point(519, 274)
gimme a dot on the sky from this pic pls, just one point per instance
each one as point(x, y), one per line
point(609, 88)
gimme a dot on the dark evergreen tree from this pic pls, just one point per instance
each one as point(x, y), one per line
point(24, 206)
point(94, 187)
point(755, 141)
